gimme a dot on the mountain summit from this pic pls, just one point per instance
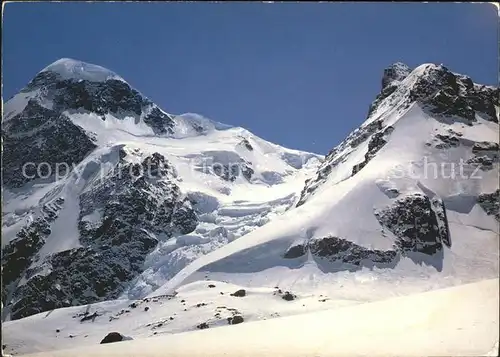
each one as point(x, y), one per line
point(82, 217)
point(67, 68)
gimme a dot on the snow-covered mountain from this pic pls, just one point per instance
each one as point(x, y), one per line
point(106, 194)
point(231, 225)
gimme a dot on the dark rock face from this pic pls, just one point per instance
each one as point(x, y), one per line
point(38, 135)
point(18, 254)
point(449, 94)
point(296, 251)
point(418, 222)
point(485, 155)
point(485, 162)
point(112, 96)
point(340, 250)
point(135, 208)
point(485, 147)
point(447, 141)
point(112, 337)
point(490, 202)
point(202, 326)
point(288, 296)
point(231, 172)
point(234, 320)
point(483, 100)
point(247, 171)
point(376, 143)
point(392, 77)
point(396, 72)
point(360, 135)
point(246, 144)
point(159, 121)
point(90, 317)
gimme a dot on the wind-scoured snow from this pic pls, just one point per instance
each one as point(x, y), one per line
point(69, 68)
point(191, 124)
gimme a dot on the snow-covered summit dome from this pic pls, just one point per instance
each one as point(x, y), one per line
point(69, 68)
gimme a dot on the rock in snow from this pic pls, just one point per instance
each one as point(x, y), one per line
point(239, 293)
point(112, 337)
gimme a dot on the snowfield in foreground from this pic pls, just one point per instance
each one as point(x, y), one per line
point(457, 321)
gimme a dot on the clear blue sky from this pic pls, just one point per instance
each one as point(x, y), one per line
point(298, 74)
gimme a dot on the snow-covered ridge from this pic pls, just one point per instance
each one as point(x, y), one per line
point(107, 107)
point(69, 68)
point(192, 124)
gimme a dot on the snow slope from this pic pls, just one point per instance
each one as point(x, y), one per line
point(232, 210)
point(458, 321)
point(66, 68)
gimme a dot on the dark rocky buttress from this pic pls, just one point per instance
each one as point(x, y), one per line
point(136, 204)
point(46, 135)
point(418, 222)
point(446, 93)
point(112, 96)
point(37, 140)
point(490, 202)
point(340, 250)
point(392, 77)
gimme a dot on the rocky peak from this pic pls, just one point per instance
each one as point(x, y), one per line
point(443, 94)
point(446, 93)
point(438, 90)
point(74, 85)
point(395, 73)
point(43, 131)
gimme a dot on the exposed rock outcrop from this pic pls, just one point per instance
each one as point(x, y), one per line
point(136, 202)
point(418, 222)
